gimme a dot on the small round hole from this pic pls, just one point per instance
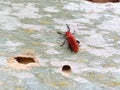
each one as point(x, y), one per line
point(66, 68)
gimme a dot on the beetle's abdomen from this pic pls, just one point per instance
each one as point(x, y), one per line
point(73, 43)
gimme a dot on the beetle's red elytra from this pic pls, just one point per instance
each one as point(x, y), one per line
point(72, 42)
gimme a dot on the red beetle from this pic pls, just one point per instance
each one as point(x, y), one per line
point(73, 43)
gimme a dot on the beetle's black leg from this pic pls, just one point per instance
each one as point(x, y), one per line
point(61, 33)
point(78, 42)
point(63, 43)
point(73, 32)
point(70, 48)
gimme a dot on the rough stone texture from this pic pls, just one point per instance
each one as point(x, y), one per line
point(32, 26)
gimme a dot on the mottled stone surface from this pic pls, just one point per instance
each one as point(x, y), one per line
point(32, 25)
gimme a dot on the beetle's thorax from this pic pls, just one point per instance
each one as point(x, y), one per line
point(68, 33)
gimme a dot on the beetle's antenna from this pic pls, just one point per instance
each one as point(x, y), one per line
point(68, 27)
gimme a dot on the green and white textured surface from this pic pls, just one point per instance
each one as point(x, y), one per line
point(31, 25)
